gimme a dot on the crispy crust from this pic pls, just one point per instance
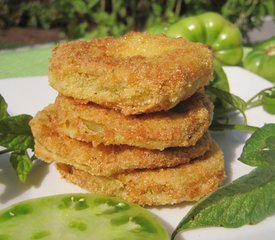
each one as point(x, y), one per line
point(181, 126)
point(104, 160)
point(136, 73)
point(187, 182)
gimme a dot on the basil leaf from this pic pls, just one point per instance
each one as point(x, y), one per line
point(22, 164)
point(247, 200)
point(15, 133)
point(3, 108)
point(259, 149)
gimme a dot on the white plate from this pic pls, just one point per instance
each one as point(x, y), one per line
point(29, 95)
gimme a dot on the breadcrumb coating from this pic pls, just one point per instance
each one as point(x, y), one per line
point(134, 74)
point(181, 126)
point(186, 182)
point(104, 160)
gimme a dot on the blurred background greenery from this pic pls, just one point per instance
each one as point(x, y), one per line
point(97, 18)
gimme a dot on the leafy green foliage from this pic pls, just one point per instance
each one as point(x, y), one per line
point(220, 80)
point(22, 163)
point(163, 13)
point(106, 17)
point(259, 150)
point(248, 14)
point(225, 104)
point(234, 101)
point(15, 132)
point(16, 137)
point(266, 98)
point(3, 108)
point(247, 200)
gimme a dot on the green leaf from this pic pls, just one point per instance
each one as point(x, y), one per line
point(259, 149)
point(15, 133)
point(16, 124)
point(247, 200)
point(220, 80)
point(21, 163)
point(266, 98)
point(3, 108)
point(225, 103)
point(236, 102)
point(79, 6)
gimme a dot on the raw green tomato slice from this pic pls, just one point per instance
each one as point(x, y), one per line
point(79, 216)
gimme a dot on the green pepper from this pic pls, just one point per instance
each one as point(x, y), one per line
point(215, 31)
point(261, 60)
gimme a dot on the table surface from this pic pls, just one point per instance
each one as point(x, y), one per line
point(24, 62)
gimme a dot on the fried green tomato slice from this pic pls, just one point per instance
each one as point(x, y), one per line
point(79, 216)
point(181, 126)
point(136, 73)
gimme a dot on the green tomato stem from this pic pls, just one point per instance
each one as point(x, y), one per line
point(257, 99)
point(240, 127)
point(254, 104)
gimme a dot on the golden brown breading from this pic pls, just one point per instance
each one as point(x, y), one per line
point(104, 160)
point(187, 182)
point(181, 126)
point(135, 73)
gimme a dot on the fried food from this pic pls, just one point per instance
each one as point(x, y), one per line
point(104, 160)
point(134, 74)
point(181, 126)
point(187, 182)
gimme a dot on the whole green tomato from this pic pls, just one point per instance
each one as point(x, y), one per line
point(157, 28)
point(210, 28)
point(268, 100)
point(261, 60)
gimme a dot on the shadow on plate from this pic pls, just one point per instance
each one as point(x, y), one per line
point(180, 209)
point(231, 143)
point(169, 228)
point(11, 186)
